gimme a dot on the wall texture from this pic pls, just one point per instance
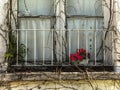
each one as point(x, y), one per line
point(3, 27)
point(64, 84)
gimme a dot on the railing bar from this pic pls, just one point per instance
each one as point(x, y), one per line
point(43, 47)
point(78, 39)
point(59, 30)
point(95, 46)
point(112, 47)
point(69, 44)
point(86, 43)
point(39, 65)
point(17, 49)
point(52, 46)
point(63, 38)
point(26, 50)
point(34, 47)
point(103, 48)
point(61, 46)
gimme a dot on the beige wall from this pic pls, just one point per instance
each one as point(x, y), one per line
point(117, 24)
point(63, 85)
point(3, 12)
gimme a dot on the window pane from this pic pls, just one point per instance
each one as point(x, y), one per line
point(36, 35)
point(86, 33)
point(84, 7)
point(36, 7)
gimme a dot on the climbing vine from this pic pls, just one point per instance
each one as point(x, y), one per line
point(11, 54)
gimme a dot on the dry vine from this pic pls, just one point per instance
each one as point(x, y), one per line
point(58, 72)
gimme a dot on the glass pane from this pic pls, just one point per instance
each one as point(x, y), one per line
point(36, 35)
point(84, 7)
point(86, 33)
point(36, 7)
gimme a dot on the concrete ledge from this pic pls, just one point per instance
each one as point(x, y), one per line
point(59, 76)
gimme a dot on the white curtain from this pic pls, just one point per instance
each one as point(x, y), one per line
point(84, 7)
point(90, 34)
point(36, 35)
point(89, 29)
point(39, 43)
point(36, 7)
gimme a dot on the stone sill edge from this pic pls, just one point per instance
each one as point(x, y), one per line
point(25, 76)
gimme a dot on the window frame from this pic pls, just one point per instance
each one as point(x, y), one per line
point(67, 16)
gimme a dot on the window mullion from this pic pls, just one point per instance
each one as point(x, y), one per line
point(60, 28)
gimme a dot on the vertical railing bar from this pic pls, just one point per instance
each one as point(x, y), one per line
point(61, 46)
point(95, 46)
point(103, 48)
point(95, 41)
point(69, 43)
point(17, 48)
point(26, 49)
point(43, 47)
point(52, 46)
point(86, 44)
point(78, 39)
point(112, 48)
point(34, 47)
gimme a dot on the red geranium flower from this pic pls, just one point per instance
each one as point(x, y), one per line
point(73, 57)
point(82, 50)
point(80, 55)
point(80, 58)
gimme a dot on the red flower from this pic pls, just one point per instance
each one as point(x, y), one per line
point(82, 50)
point(80, 55)
point(80, 58)
point(73, 57)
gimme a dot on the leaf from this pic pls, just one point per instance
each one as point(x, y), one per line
point(8, 55)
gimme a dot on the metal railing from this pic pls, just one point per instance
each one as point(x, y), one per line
point(54, 47)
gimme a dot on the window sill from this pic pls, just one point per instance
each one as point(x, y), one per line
point(54, 68)
point(59, 76)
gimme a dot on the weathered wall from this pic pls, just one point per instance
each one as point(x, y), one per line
point(117, 15)
point(3, 27)
point(117, 35)
point(63, 85)
point(108, 35)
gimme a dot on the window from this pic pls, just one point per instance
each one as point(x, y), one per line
point(86, 17)
point(35, 21)
point(51, 30)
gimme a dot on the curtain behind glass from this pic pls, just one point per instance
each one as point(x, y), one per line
point(90, 34)
point(84, 7)
point(36, 35)
point(36, 7)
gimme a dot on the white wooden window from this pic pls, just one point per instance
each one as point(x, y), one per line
point(83, 19)
point(35, 21)
point(86, 16)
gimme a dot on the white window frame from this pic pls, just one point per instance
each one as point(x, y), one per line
point(61, 19)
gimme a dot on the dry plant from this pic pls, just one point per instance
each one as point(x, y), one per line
point(8, 34)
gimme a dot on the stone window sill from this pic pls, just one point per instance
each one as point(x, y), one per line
point(59, 76)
